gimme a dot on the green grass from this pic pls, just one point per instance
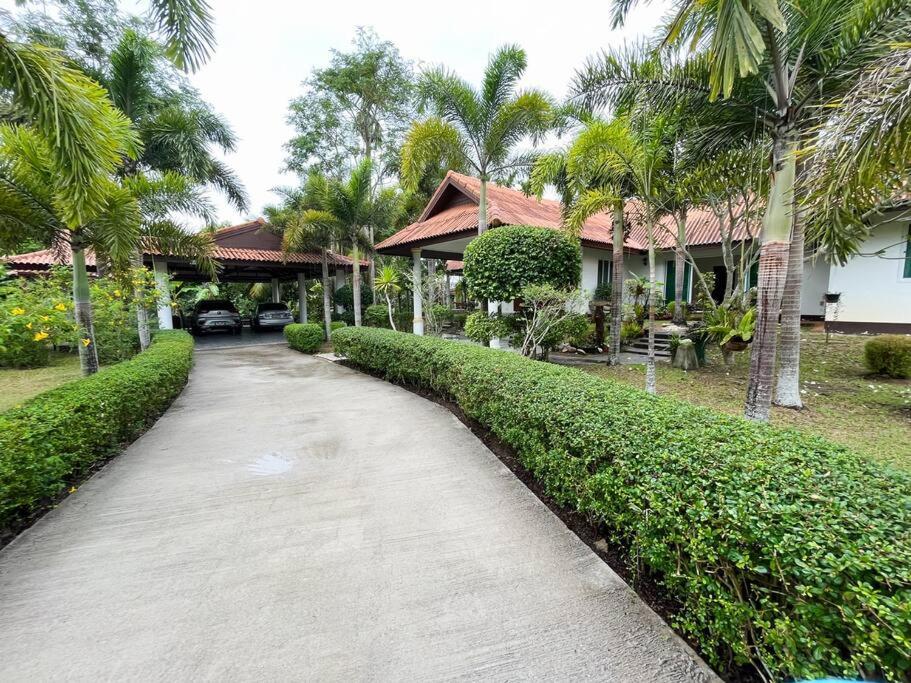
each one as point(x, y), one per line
point(18, 385)
point(842, 402)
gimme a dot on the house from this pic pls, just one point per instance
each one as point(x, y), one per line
point(875, 285)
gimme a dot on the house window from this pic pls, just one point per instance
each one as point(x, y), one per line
point(670, 280)
point(605, 271)
point(908, 256)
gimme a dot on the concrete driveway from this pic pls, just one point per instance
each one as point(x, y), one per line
point(291, 519)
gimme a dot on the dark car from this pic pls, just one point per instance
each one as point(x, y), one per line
point(215, 315)
point(271, 317)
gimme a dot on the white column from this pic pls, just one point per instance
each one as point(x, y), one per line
point(302, 296)
point(493, 308)
point(276, 291)
point(418, 322)
point(163, 284)
point(339, 283)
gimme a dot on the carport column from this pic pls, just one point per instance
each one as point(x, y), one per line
point(276, 291)
point(302, 296)
point(418, 322)
point(163, 284)
point(339, 283)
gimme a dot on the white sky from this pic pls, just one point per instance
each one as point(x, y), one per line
point(267, 47)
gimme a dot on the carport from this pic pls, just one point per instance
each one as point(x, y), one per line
point(248, 252)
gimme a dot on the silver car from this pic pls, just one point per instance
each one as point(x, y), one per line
point(216, 315)
point(271, 317)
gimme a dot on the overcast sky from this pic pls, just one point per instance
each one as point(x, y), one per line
point(267, 47)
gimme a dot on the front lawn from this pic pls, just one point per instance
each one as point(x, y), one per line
point(19, 385)
point(870, 414)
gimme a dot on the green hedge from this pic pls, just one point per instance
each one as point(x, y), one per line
point(52, 438)
point(784, 550)
point(305, 338)
point(889, 355)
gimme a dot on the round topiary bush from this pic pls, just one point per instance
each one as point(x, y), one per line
point(306, 338)
point(889, 355)
point(502, 261)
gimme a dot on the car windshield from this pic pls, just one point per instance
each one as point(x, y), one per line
point(215, 305)
point(272, 307)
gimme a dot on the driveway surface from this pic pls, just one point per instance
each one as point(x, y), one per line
point(291, 519)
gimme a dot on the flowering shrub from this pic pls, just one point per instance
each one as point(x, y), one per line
point(36, 314)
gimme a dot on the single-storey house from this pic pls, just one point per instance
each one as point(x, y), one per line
point(874, 286)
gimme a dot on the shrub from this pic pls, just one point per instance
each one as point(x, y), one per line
point(889, 355)
point(376, 315)
point(306, 338)
point(481, 327)
point(630, 330)
point(54, 437)
point(576, 330)
point(344, 296)
point(337, 324)
point(782, 549)
point(502, 261)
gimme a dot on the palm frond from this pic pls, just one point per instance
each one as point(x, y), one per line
point(187, 27)
point(429, 141)
point(503, 72)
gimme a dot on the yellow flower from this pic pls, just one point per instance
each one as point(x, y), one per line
point(45, 318)
point(116, 292)
point(60, 307)
point(39, 336)
point(86, 342)
point(73, 489)
point(28, 326)
point(18, 311)
point(173, 304)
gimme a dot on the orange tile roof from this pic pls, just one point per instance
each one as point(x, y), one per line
point(506, 206)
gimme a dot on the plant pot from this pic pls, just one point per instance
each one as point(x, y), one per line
point(735, 345)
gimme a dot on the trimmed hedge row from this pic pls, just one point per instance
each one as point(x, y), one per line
point(306, 338)
point(784, 550)
point(55, 436)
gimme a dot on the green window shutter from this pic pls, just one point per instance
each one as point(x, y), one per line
point(754, 275)
point(670, 281)
point(908, 255)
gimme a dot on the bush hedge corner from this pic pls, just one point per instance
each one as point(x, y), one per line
point(889, 355)
point(783, 550)
point(51, 439)
point(306, 338)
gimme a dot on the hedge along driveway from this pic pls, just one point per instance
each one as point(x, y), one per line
point(785, 550)
point(55, 436)
point(288, 518)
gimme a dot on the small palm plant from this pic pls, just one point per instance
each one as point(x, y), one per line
point(477, 130)
point(388, 284)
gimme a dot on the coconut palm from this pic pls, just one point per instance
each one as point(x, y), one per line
point(388, 283)
point(773, 65)
point(627, 154)
point(475, 129)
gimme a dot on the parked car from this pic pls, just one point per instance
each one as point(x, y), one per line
point(271, 317)
point(215, 315)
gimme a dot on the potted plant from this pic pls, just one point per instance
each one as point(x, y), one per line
point(732, 330)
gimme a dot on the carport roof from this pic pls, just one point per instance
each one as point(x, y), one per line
point(249, 246)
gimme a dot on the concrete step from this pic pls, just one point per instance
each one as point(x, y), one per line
point(643, 351)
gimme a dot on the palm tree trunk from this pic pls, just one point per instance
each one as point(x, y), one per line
point(680, 268)
point(356, 285)
point(371, 272)
point(327, 313)
point(88, 354)
point(482, 206)
point(773, 261)
point(142, 315)
point(787, 389)
point(616, 303)
point(650, 379)
point(389, 308)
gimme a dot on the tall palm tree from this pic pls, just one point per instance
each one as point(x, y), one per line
point(773, 65)
point(388, 283)
point(475, 129)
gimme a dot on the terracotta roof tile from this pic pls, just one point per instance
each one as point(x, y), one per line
point(506, 206)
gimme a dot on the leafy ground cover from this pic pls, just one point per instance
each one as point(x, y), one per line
point(18, 385)
point(842, 401)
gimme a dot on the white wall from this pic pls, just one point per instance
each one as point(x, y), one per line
point(872, 288)
point(815, 284)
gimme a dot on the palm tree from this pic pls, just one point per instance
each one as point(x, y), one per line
point(773, 66)
point(477, 130)
point(388, 284)
point(626, 154)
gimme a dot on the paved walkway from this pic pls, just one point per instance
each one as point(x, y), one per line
point(293, 519)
